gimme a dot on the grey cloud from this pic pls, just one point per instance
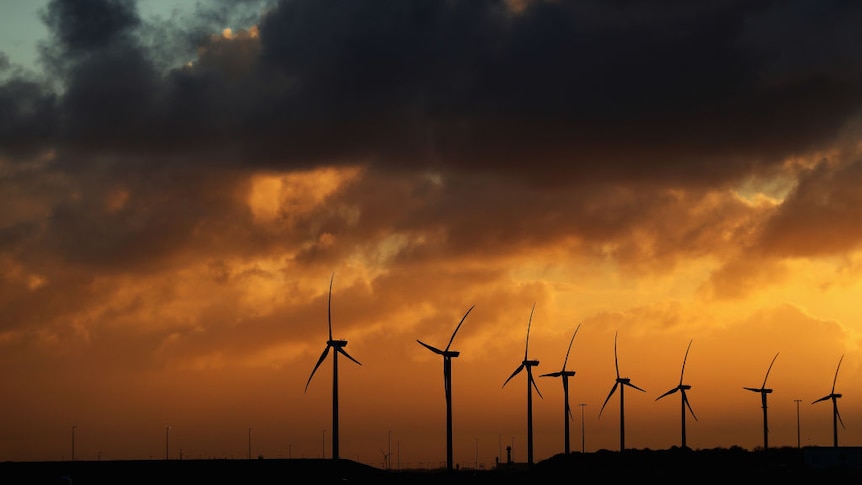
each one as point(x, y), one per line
point(81, 26)
point(599, 96)
point(667, 92)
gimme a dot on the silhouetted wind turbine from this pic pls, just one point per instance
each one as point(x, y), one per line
point(565, 374)
point(447, 384)
point(835, 416)
point(620, 383)
point(337, 347)
point(531, 384)
point(682, 388)
point(763, 390)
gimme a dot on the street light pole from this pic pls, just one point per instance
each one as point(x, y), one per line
point(249, 443)
point(583, 441)
point(167, 442)
point(798, 436)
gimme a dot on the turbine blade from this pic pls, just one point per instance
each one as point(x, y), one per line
point(838, 415)
point(613, 389)
point(668, 393)
point(319, 361)
point(529, 322)
point(329, 305)
point(822, 399)
point(616, 360)
point(344, 353)
point(683, 361)
point(552, 374)
point(517, 371)
point(458, 327)
point(570, 346)
point(753, 389)
point(769, 369)
point(836, 374)
point(535, 386)
point(432, 349)
point(688, 405)
point(632, 385)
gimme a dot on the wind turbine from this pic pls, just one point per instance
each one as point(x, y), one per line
point(385, 459)
point(565, 374)
point(682, 388)
point(531, 384)
point(337, 347)
point(620, 383)
point(763, 390)
point(836, 418)
point(448, 355)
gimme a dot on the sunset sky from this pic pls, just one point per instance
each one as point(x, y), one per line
point(180, 180)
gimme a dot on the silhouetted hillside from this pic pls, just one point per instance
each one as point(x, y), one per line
point(674, 465)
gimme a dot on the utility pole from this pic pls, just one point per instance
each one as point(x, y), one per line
point(583, 441)
point(798, 436)
point(73, 442)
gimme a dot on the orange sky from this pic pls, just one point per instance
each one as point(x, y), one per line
point(174, 198)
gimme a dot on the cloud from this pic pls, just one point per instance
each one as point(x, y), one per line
point(672, 93)
point(168, 185)
point(817, 218)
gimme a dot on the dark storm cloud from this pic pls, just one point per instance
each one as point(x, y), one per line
point(558, 91)
point(602, 96)
point(83, 26)
point(27, 118)
point(637, 91)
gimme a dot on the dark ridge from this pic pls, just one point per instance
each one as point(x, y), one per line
point(675, 465)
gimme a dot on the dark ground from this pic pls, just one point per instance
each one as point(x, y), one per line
point(673, 465)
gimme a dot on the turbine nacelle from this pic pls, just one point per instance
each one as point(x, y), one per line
point(337, 344)
point(530, 363)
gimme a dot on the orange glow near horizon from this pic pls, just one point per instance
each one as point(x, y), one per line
point(239, 340)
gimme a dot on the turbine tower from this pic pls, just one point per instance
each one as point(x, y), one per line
point(764, 391)
point(682, 388)
point(531, 384)
point(448, 355)
point(836, 418)
point(620, 383)
point(564, 375)
point(337, 347)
